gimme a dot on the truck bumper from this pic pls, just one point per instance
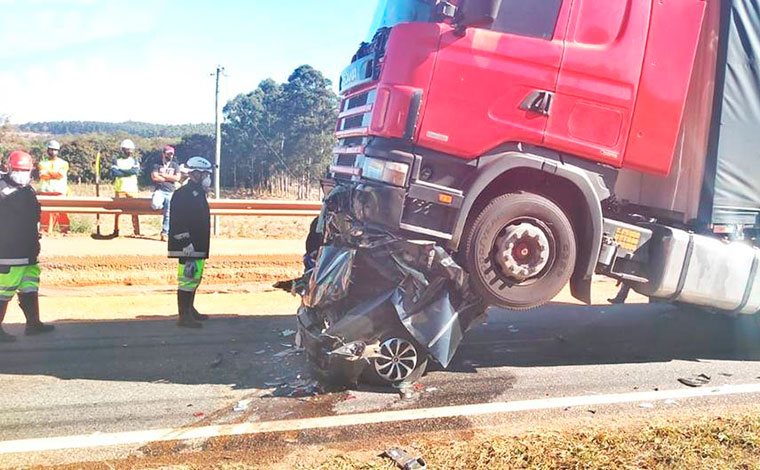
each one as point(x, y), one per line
point(424, 208)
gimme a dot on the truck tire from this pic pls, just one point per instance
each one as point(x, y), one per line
point(520, 251)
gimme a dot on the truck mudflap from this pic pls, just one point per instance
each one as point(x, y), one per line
point(369, 285)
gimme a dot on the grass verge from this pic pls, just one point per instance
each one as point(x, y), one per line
point(717, 443)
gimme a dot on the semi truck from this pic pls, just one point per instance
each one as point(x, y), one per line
point(491, 152)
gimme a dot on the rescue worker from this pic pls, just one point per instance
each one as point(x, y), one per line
point(125, 169)
point(20, 244)
point(166, 177)
point(189, 237)
point(54, 182)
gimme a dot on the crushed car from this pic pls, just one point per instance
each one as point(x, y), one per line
point(377, 307)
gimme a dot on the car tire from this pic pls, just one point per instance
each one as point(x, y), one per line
point(411, 363)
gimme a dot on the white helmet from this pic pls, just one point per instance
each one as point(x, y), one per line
point(127, 144)
point(198, 164)
point(54, 145)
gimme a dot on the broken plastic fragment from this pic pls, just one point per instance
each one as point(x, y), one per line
point(696, 381)
point(242, 405)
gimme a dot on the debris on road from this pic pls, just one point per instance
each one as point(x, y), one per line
point(406, 390)
point(696, 381)
point(261, 351)
point(671, 402)
point(199, 414)
point(287, 352)
point(300, 388)
point(287, 333)
point(513, 329)
point(160, 381)
point(404, 460)
point(646, 406)
point(242, 405)
point(217, 361)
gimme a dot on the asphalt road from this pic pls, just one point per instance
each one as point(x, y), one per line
point(138, 375)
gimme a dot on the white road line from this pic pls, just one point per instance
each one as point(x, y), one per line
point(206, 432)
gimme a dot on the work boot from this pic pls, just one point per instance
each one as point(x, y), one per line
point(196, 315)
point(184, 305)
point(5, 337)
point(30, 305)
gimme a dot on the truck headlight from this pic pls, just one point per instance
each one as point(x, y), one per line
point(394, 173)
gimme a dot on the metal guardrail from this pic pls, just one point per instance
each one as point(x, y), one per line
point(141, 206)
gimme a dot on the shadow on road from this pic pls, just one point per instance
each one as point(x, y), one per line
point(247, 351)
point(561, 334)
point(228, 350)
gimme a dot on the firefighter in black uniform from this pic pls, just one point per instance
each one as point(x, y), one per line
point(20, 244)
point(189, 237)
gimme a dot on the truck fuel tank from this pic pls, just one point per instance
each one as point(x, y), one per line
point(702, 270)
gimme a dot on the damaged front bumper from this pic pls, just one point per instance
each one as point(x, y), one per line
point(368, 285)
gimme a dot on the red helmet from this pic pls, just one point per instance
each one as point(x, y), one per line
point(20, 161)
point(169, 150)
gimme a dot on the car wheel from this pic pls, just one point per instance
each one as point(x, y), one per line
point(400, 359)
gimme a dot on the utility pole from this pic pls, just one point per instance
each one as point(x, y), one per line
point(218, 122)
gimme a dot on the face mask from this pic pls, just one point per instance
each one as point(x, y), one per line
point(206, 182)
point(21, 178)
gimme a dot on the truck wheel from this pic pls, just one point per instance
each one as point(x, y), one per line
point(401, 360)
point(520, 251)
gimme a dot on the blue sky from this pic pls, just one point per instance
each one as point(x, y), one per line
point(116, 60)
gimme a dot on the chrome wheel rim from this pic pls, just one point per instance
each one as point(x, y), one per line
point(396, 360)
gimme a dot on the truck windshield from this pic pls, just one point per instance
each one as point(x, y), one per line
point(392, 12)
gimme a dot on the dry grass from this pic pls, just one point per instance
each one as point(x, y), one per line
point(683, 444)
point(707, 444)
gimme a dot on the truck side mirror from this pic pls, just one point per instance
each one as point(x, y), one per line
point(478, 13)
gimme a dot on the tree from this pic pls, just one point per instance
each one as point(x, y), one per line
point(308, 112)
point(252, 137)
point(200, 145)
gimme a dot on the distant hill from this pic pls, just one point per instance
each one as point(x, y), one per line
point(142, 129)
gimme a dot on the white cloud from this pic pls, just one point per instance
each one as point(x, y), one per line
point(58, 25)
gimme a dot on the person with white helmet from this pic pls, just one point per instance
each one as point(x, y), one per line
point(53, 172)
point(189, 237)
point(125, 169)
point(20, 244)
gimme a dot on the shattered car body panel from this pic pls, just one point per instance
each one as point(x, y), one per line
point(368, 284)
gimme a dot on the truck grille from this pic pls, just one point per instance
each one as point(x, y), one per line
point(352, 131)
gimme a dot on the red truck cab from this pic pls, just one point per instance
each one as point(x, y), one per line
point(497, 127)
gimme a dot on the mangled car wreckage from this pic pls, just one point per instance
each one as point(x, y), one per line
point(375, 305)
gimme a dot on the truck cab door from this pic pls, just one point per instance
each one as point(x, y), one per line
point(598, 81)
point(493, 86)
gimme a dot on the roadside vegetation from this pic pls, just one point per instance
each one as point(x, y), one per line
point(683, 444)
point(719, 443)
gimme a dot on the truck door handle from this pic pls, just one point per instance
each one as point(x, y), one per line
point(538, 101)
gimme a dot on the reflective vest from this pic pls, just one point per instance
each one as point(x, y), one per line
point(126, 184)
point(60, 186)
